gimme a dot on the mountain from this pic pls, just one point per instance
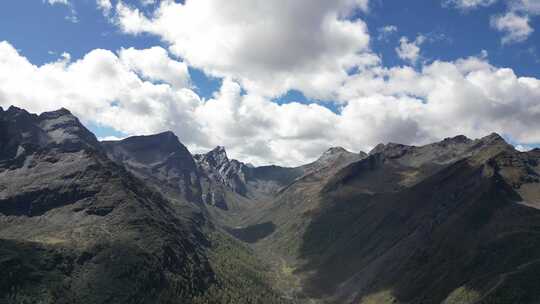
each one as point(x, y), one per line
point(447, 222)
point(76, 227)
point(219, 175)
point(141, 220)
point(232, 184)
point(333, 158)
point(161, 161)
point(73, 222)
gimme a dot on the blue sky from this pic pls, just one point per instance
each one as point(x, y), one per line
point(37, 28)
point(456, 34)
point(42, 30)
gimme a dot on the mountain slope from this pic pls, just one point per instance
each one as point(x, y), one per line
point(90, 225)
point(455, 232)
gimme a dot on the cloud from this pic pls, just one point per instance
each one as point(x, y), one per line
point(270, 47)
point(148, 2)
point(100, 88)
point(514, 23)
point(53, 2)
point(410, 50)
point(468, 96)
point(523, 148)
point(516, 27)
point(105, 6)
point(468, 4)
point(386, 31)
point(531, 7)
point(110, 138)
point(401, 104)
point(72, 17)
point(155, 64)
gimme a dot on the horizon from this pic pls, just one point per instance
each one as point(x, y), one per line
point(518, 148)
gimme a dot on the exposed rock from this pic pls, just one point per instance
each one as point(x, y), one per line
point(222, 178)
point(160, 160)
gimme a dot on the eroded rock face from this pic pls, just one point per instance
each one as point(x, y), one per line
point(217, 168)
point(222, 179)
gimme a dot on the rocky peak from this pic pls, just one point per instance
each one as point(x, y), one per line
point(491, 142)
point(17, 115)
point(220, 173)
point(215, 158)
point(22, 131)
point(335, 150)
point(331, 160)
point(493, 139)
point(13, 110)
point(148, 149)
point(64, 129)
point(333, 154)
point(391, 150)
point(56, 114)
point(160, 159)
point(460, 139)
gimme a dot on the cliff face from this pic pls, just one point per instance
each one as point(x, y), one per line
point(225, 182)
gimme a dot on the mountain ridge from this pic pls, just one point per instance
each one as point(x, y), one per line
point(453, 221)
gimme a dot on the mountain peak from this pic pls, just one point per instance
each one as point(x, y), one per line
point(493, 140)
point(335, 150)
point(218, 150)
point(493, 137)
point(64, 128)
point(167, 136)
point(217, 156)
point(56, 113)
point(391, 150)
point(14, 111)
point(457, 139)
point(162, 144)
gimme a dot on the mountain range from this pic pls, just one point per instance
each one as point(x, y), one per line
point(142, 220)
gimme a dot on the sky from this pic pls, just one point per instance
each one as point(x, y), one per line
point(279, 82)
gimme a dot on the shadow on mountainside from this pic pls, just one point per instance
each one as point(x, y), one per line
point(458, 235)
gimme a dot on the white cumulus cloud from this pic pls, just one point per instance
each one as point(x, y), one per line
point(401, 104)
point(410, 50)
point(268, 46)
point(515, 27)
point(156, 65)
